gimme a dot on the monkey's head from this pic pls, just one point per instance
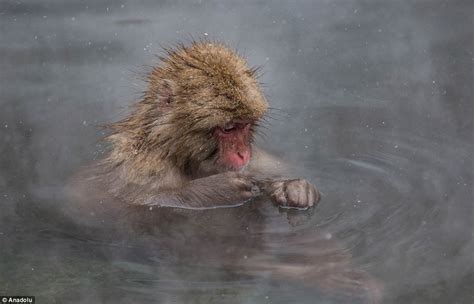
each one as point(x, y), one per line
point(200, 110)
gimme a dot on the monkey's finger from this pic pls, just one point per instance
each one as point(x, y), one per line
point(293, 192)
point(310, 196)
point(316, 194)
point(256, 186)
point(247, 194)
point(279, 196)
point(243, 184)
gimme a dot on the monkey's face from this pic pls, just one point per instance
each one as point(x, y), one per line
point(215, 126)
point(234, 144)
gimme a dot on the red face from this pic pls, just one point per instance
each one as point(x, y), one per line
point(234, 144)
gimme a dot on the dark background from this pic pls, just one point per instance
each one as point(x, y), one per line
point(374, 104)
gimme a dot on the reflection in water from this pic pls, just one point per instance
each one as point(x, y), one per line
point(379, 102)
point(376, 239)
point(241, 254)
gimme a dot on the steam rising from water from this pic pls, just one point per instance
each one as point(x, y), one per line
point(374, 104)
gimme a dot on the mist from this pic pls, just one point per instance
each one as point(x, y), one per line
point(371, 100)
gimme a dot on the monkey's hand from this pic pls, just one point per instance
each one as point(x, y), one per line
point(293, 193)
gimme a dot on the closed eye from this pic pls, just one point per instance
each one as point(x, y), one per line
point(229, 127)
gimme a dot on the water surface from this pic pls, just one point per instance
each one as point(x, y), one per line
point(374, 106)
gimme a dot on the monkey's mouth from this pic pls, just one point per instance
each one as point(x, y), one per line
point(229, 165)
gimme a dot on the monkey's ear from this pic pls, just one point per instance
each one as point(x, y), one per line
point(166, 92)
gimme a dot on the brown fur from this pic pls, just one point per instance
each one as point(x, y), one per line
point(171, 149)
point(164, 154)
point(207, 85)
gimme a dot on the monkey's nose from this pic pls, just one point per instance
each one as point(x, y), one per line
point(244, 156)
point(237, 159)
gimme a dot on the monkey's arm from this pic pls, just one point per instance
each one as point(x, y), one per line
point(218, 190)
point(265, 172)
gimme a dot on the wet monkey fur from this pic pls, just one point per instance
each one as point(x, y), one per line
point(188, 144)
point(189, 141)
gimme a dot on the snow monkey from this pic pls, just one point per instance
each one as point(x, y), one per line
point(188, 141)
point(188, 144)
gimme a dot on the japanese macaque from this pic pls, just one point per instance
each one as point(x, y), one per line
point(188, 142)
